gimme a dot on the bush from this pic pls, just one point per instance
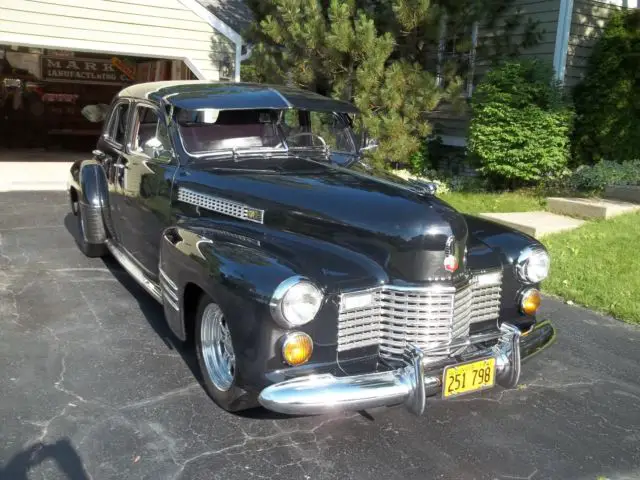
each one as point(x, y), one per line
point(462, 183)
point(520, 125)
point(608, 100)
point(594, 179)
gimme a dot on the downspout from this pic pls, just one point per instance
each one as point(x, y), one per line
point(240, 57)
point(238, 60)
point(562, 39)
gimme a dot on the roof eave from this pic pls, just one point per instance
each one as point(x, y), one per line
point(204, 13)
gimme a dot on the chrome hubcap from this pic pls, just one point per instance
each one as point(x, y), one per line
point(217, 349)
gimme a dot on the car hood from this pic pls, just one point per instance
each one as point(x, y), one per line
point(400, 227)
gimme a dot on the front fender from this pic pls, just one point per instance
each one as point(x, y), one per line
point(240, 278)
point(239, 267)
point(505, 244)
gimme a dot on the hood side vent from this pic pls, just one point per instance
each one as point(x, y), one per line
point(221, 205)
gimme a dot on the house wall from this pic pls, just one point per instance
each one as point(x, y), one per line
point(145, 28)
point(453, 126)
point(587, 21)
point(543, 11)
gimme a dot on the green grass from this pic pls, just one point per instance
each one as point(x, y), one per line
point(494, 202)
point(598, 266)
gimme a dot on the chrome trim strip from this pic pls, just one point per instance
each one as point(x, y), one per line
point(132, 269)
point(169, 301)
point(319, 394)
point(165, 277)
point(163, 285)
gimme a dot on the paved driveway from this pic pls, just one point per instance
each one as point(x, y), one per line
point(93, 388)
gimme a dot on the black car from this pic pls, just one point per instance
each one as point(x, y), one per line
point(307, 280)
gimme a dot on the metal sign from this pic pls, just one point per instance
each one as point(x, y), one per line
point(82, 70)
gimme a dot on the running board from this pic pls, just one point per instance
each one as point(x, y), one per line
point(132, 269)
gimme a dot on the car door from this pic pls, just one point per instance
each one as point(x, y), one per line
point(149, 167)
point(111, 152)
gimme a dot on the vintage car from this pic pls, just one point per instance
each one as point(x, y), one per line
point(307, 280)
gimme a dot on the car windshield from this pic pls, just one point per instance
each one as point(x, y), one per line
point(209, 132)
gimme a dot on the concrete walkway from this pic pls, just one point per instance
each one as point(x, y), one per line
point(36, 169)
point(590, 207)
point(565, 214)
point(536, 224)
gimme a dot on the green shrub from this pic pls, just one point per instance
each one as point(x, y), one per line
point(463, 183)
point(608, 100)
point(520, 125)
point(594, 179)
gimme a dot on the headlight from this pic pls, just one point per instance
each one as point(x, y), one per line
point(533, 265)
point(296, 301)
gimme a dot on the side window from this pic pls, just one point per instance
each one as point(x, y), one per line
point(117, 126)
point(149, 134)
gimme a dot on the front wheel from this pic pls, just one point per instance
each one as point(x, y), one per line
point(216, 355)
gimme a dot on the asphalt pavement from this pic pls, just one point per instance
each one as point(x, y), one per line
point(92, 386)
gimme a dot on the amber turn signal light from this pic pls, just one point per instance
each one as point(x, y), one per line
point(530, 301)
point(297, 348)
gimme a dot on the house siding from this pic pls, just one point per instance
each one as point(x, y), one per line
point(448, 123)
point(587, 21)
point(543, 11)
point(146, 28)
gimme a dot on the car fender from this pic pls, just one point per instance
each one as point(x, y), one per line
point(240, 270)
point(88, 179)
point(506, 244)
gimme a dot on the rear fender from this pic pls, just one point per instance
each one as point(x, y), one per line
point(93, 200)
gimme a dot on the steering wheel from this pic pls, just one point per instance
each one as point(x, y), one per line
point(312, 135)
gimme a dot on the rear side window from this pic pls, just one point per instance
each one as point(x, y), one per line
point(117, 126)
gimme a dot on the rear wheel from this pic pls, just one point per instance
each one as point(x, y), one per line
point(216, 355)
point(89, 249)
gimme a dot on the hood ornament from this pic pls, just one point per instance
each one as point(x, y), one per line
point(451, 255)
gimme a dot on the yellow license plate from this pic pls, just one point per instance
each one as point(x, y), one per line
point(468, 377)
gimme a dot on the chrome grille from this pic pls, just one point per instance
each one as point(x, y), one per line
point(220, 205)
point(487, 295)
point(392, 317)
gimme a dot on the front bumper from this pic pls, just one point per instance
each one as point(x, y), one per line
point(409, 385)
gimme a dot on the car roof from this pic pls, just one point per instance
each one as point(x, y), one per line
point(198, 94)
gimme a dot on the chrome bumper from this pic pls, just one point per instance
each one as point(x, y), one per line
point(411, 385)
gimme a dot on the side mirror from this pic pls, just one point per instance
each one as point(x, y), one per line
point(99, 155)
point(369, 144)
point(153, 148)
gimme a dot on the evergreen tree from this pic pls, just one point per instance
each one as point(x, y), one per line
point(381, 55)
